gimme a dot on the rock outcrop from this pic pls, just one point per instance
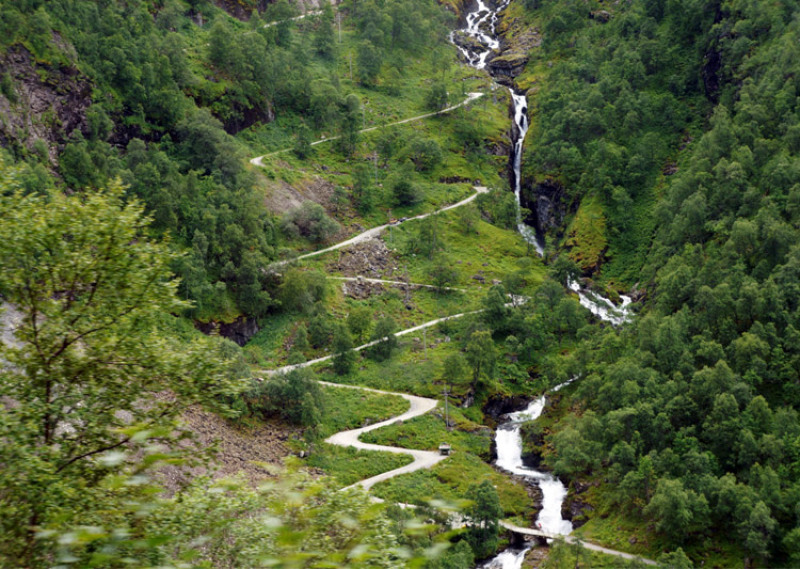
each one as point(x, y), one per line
point(546, 202)
point(239, 331)
point(41, 102)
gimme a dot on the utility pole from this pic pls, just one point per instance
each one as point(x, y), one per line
point(446, 409)
point(339, 20)
point(425, 343)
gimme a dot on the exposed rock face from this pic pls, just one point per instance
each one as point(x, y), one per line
point(574, 508)
point(368, 259)
point(239, 331)
point(47, 103)
point(244, 117)
point(508, 65)
point(497, 406)
point(547, 204)
point(516, 43)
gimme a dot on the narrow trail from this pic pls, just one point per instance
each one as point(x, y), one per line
point(258, 160)
point(422, 458)
point(286, 369)
point(375, 231)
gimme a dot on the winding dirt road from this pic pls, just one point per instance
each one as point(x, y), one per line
point(422, 458)
point(427, 459)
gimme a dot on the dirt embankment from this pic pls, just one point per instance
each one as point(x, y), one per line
point(257, 452)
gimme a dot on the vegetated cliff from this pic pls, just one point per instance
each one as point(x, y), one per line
point(517, 41)
point(40, 102)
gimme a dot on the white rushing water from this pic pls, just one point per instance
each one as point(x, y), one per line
point(520, 103)
point(601, 307)
point(480, 27)
point(508, 559)
point(509, 458)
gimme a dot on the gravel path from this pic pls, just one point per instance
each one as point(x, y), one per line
point(422, 458)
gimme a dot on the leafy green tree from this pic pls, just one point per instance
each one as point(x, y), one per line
point(468, 219)
point(387, 341)
point(324, 104)
point(302, 142)
point(324, 36)
point(320, 328)
point(301, 290)
point(442, 272)
point(92, 290)
point(370, 60)
point(482, 518)
point(363, 188)
point(564, 270)
point(295, 397)
point(675, 560)
point(300, 342)
point(481, 356)
point(282, 12)
point(427, 241)
point(495, 312)
point(359, 321)
point(676, 509)
point(454, 370)
point(791, 543)
point(425, 153)
point(344, 357)
point(758, 530)
point(309, 220)
point(459, 556)
point(404, 190)
point(351, 119)
point(436, 99)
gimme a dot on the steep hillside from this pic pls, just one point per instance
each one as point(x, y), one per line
point(667, 133)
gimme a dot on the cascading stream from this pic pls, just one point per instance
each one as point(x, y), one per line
point(509, 457)
point(520, 103)
point(508, 559)
point(481, 29)
point(476, 41)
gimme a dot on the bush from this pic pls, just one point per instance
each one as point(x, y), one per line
point(309, 221)
point(295, 397)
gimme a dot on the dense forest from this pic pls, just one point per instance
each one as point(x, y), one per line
point(665, 132)
point(681, 121)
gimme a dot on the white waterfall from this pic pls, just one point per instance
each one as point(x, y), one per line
point(508, 559)
point(521, 121)
point(509, 457)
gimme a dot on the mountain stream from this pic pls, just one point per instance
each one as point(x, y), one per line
point(480, 29)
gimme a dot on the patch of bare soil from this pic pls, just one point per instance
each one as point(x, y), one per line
point(255, 451)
